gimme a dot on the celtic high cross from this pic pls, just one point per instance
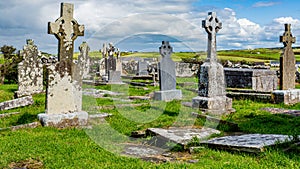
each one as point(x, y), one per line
point(212, 25)
point(66, 30)
point(287, 38)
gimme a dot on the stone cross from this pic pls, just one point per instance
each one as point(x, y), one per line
point(165, 50)
point(166, 68)
point(287, 39)
point(212, 25)
point(66, 30)
point(167, 75)
point(287, 60)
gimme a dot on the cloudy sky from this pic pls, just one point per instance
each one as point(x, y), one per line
point(141, 25)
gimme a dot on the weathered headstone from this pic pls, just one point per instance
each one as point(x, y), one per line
point(64, 83)
point(142, 68)
point(287, 60)
point(30, 71)
point(211, 94)
point(167, 80)
point(287, 93)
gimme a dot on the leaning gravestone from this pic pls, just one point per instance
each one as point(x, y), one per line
point(287, 93)
point(30, 71)
point(167, 81)
point(211, 95)
point(64, 83)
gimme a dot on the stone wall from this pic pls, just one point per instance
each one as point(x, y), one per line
point(262, 80)
point(182, 69)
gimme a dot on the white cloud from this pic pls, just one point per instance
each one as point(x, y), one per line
point(116, 20)
point(264, 4)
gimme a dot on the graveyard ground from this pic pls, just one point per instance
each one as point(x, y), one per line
point(45, 147)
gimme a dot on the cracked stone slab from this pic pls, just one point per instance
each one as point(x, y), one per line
point(15, 103)
point(254, 143)
point(295, 113)
point(182, 136)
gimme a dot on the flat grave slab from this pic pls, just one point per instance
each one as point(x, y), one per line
point(138, 150)
point(182, 136)
point(295, 113)
point(254, 143)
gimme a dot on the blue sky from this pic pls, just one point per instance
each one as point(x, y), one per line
point(142, 24)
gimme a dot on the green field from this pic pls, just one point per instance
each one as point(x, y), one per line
point(45, 147)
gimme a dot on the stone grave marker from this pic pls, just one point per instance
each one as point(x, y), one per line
point(211, 94)
point(112, 62)
point(142, 68)
point(167, 75)
point(64, 90)
point(287, 60)
point(30, 71)
point(254, 143)
point(287, 93)
point(181, 136)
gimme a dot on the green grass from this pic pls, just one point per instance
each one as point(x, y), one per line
point(79, 148)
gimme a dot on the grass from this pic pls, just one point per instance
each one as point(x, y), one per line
point(45, 147)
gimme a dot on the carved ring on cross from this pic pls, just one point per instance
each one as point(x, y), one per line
point(212, 23)
point(165, 49)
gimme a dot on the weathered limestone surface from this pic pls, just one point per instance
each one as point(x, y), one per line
point(142, 68)
point(261, 80)
point(250, 142)
point(111, 59)
point(64, 83)
point(64, 120)
point(186, 69)
point(181, 136)
point(211, 94)
point(167, 75)
point(288, 97)
point(30, 71)
point(114, 77)
point(19, 102)
point(287, 60)
point(287, 93)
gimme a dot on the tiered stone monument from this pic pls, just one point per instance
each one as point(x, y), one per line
point(113, 64)
point(167, 80)
point(30, 71)
point(287, 93)
point(211, 94)
point(64, 83)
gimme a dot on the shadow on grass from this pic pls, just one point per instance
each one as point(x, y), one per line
point(24, 119)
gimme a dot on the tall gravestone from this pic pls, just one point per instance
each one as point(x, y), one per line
point(287, 60)
point(30, 71)
point(64, 83)
point(211, 94)
point(287, 93)
point(167, 81)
